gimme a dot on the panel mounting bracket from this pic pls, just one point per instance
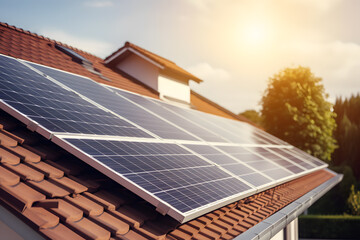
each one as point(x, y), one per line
point(32, 126)
point(162, 208)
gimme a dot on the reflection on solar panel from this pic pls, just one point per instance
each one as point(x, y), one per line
point(184, 162)
point(54, 107)
point(168, 171)
point(117, 104)
point(179, 120)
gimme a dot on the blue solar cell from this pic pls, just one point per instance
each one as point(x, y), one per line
point(55, 108)
point(288, 155)
point(297, 152)
point(238, 169)
point(162, 169)
point(240, 153)
point(288, 164)
point(256, 179)
point(277, 173)
point(192, 197)
point(211, 153)
point(117, 104)
point(160, 109)
point(217, 125)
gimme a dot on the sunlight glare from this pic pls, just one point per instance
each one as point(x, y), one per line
point(255, 34)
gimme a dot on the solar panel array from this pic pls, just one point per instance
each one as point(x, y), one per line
point(183, 161)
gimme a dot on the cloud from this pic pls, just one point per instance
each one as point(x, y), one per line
point(98, 48)
point(208, 73)
point(98, 4)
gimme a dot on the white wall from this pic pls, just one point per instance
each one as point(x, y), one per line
point(290, 232)
point(140, 69)
point(173, 88)
point(279, 236)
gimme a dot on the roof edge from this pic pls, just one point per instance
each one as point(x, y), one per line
point(149, 56)
point(43, 38)
point(279, 220)
point(241, 118)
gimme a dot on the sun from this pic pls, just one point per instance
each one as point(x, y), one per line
point(255, 34)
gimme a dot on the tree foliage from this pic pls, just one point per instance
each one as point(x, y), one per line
point(253, 116)
point(348, 133)
point(354, 201)
point(295, 109)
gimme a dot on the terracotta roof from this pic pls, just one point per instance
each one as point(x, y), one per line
point(63, 198)
point(169, 66)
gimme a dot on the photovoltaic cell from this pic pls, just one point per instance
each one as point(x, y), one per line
point(55, 108)
point(287, 154)
point(208, 121)
point(195, 196)
point(168, 171)
point(211, 154)
point(138, 157)
point(265, 152)
point(116, 103)
point(159, 108)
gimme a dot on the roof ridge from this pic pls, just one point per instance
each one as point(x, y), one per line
point(43, 37)
point(127, 43)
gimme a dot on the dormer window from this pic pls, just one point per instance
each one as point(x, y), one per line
point(160, 74)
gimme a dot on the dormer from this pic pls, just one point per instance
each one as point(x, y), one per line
point(158, 73)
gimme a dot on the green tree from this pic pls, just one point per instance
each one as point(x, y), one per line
point(253, 116)
point(354, 201)
point(347, 133)
point(295, 109)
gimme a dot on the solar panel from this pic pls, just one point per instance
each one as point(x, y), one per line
point(184, 123)
point(167, 171)
point(183, 161)
point(117, 104)
point(55, 108)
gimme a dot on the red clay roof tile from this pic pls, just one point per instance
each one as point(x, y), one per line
point(61, 232)
point(7, 177)
point(47, 169)
point(132, 235)
point(27, 154)
point(89, 229)
point(49, 189)
point(88, 206)
point(24, 193)
point(7, 157)
point(7, 141)
point(105, 199)
point(87, 181)
point(111, 223)
point(41, 217)
point(69, 184)
point(65, 211)
point(25, 172)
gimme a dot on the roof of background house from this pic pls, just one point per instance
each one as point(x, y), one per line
point(169, 66)
point(61, 197)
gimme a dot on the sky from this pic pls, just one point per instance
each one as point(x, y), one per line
point(234, 46)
